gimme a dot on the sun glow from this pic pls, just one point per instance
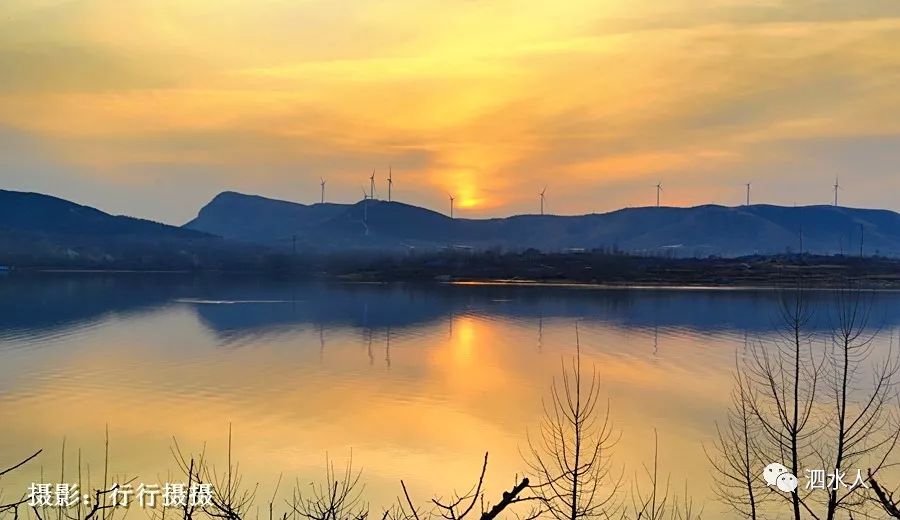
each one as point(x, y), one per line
point(468, 197)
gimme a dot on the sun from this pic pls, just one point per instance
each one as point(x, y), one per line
point(468, 194)
point(470, 201)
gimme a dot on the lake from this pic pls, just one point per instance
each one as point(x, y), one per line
point(419, 381)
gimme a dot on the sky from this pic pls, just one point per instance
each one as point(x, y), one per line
point(152, 107)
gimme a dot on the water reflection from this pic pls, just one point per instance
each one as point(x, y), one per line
point(233, 307)
point(418, 380)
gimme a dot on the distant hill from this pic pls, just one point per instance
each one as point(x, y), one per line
point(39, 230)
point(681, 232)
point(245, 232)
point(258, 219)
point(34, 212)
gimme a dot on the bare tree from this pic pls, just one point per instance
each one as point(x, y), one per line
point(461, 506)
point(652, 504)
point(862, 428)
point(570, 458)
point(810, 407)
point(334, 498)
point(656, 501)
point(101, 505)
point(773, 407)
point(15, 504)
point(231, 499)
point(338, 496)
point(885, 498)
point(735, 457)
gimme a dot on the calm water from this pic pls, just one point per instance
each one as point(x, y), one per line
point(419, 381)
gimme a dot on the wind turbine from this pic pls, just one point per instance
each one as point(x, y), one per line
point(658, 189)
point(390, 181)
point(748, 193)
point(542, 198)
point(451, 204)
point(323, 190)
point(372, 185)
point(836, 187)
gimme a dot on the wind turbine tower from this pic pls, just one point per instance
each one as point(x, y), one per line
point(372, 185)
point(658, 189)
point(323, 190)
point(451, 204)
point(836, 187)
point(542, 199)
point(748, 193)
point(390, 182)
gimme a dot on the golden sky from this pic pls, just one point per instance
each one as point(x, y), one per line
point(151, 107)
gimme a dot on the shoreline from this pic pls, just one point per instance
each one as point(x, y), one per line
point(649, 286)
point(529, 268)
point(687, 283)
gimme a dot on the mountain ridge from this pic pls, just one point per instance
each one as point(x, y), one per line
point(31, 211)
point(222, 216)
point(38, 230)
point(697, 231)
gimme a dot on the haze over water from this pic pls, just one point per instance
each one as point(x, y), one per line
point(419, 381)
